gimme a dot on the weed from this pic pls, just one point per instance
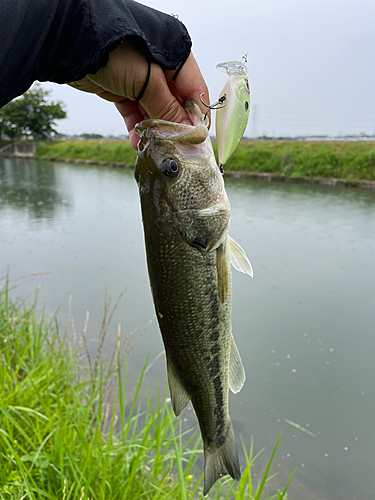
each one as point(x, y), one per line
point(72, 431)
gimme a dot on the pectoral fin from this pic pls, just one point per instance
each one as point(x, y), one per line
point(179, 396)
point(222, 272)
point(238, 258)
point(237, 375)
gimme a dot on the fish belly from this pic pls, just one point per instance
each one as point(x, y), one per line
point(196, 331)
point(195, 326)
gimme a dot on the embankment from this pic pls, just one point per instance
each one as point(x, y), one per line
point(328, 162)
point(17, 149)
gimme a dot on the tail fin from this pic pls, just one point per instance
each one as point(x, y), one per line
point(221, 461)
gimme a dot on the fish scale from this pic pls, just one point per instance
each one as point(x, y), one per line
point(185, 214)
point(192, 322)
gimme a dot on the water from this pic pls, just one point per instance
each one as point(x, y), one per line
point(304, 325)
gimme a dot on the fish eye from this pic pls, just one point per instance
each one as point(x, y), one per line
point(246, 105)
point(170, 168)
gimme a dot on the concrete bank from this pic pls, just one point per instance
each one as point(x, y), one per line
point(15, 149)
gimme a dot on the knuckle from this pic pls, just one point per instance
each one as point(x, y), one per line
point(171, 111)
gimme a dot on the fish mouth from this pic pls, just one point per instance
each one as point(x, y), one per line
point(178, 133)
point(173, 132)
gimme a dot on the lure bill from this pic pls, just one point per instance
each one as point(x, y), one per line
point(232, 119)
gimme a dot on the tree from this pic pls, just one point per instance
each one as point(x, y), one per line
point(92, 136)
point(31, 115)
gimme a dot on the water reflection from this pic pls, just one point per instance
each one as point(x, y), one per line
point(304, 325)
point(32, 188)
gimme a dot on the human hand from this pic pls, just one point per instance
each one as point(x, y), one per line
point(122, 80)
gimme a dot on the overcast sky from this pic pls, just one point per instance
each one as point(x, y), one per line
point(311, 65)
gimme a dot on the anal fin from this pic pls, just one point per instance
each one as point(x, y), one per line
point(179, 396)
point(237, 375)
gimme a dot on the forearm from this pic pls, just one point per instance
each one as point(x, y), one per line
point(64, 40)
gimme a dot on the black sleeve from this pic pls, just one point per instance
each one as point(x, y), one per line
point(64, 40)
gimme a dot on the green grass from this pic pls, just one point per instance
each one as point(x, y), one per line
point(94, 150)
point(71, 432)
point(351, 161)
point(297, 159)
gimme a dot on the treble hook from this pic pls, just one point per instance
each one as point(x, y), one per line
point(244, 58)
point(215, 105)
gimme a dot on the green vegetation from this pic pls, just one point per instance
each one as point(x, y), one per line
point(297, 159)
point(352, 161)
point(70, 432)
point(31, 115)
point(97, 151)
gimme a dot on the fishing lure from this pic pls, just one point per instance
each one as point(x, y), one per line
point(231, 119)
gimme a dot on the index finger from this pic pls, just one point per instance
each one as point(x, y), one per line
point(190, 83)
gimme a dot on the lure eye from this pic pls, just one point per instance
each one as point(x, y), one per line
point(171, 168)
point(246, 105)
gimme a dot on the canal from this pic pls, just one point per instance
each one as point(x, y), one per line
point(305, 325)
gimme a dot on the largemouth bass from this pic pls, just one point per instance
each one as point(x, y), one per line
point(186, 212)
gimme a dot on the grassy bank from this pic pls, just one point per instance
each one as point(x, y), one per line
point(94, 150)
point(70, 432)
point(352, 161)
point(343, 160)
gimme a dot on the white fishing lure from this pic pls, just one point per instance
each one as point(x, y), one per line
point(231, 120)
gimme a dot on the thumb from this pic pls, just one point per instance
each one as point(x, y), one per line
point(158, 102)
